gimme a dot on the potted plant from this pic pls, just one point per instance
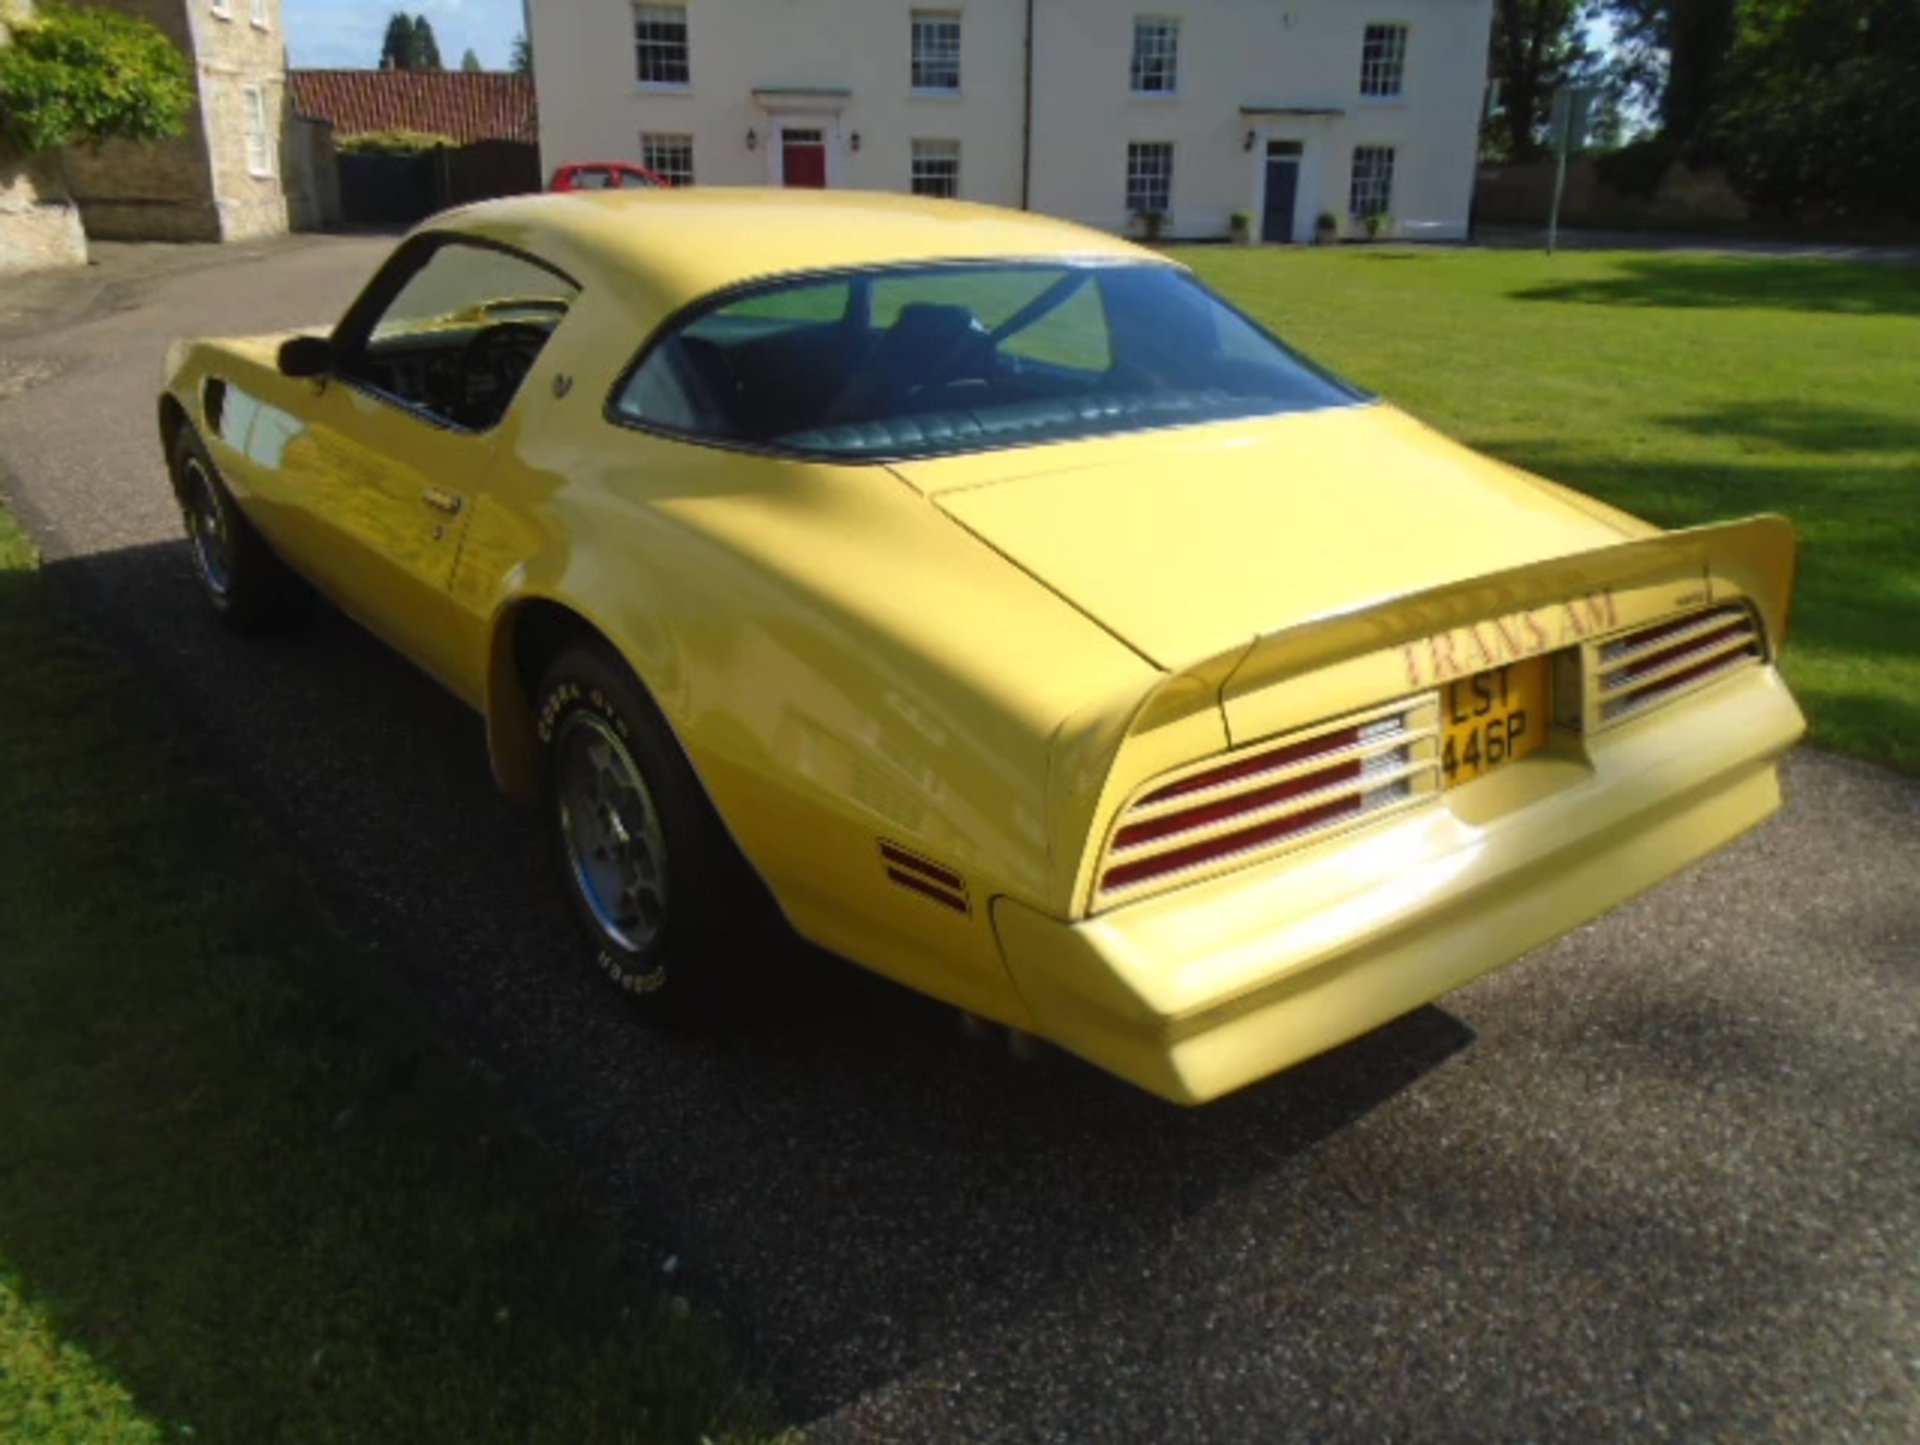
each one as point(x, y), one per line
point(1240, 227)
point(1326, 229)
point(1378, 223)
point(1150, 223)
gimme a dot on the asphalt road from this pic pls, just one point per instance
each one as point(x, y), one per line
point(1661, 1179)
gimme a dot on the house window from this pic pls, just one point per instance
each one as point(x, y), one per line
point(1149, 177)
point(1371, 193)
point(253, 101)
point(936, 168)
point(669, 157)
point(660, 45)
point(936, 50)
point(222, 8)
point(1383, 61)
point(1156, 56)
point(257, 12)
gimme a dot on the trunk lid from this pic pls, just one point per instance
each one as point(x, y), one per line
point(1183, 542)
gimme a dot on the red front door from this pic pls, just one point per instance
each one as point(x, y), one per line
point(803, 158)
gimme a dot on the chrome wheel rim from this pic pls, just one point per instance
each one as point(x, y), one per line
point(610, 825)
point(207, 530)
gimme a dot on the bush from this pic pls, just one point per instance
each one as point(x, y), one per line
point(80, 77)
point(1636, 169)
point(391, 142)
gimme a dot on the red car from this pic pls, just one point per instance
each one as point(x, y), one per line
point(605, 176)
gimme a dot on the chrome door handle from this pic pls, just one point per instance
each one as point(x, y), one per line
point(442, 500)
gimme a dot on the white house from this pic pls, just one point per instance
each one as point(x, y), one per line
point(1097, 110)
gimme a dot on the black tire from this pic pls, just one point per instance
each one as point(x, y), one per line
point(252, 590)
point(671, 911)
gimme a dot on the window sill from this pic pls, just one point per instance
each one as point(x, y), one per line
point(1157, 97)
point(661, 87)
point(1383, 102)
point(922, 93)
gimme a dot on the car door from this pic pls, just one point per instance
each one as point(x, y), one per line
point(404, 430)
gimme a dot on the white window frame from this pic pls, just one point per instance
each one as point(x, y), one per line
point(1371, 178)
point(653, 142)
point(1149, 170)
point(1383, 60)
point(257, 13)
point(259, 137)
point(222, 9)
point(1156, 56)
point(936, 166)
point(661, 15)
point(930, 51)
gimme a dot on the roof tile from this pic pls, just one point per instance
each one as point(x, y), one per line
point(461, 104)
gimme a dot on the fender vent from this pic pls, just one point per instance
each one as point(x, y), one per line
point(925, 877)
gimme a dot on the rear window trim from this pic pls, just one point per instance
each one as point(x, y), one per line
point(687, 314)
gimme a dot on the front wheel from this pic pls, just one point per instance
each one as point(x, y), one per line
point(251, 589)
point(671, 911)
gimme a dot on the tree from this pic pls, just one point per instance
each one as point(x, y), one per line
point(470, 62)
point(80, 77)
point(1819, 110)
point(522, 61)
point(426, 49)
point(397, 51)
point(1536, 48)
point(1672, 55)
point(409, 44)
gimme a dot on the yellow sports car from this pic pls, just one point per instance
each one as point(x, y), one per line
point(994, 604)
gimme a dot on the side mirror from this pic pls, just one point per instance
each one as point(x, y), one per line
point(306, 356)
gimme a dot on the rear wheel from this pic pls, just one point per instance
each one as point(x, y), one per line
point(671, 911)
point(252, 590)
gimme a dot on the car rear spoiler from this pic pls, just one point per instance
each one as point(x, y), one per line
point(1393, 646)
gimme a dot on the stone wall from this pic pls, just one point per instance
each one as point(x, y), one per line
point(209, 184)
point(39, 225)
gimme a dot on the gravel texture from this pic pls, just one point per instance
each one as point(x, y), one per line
point(1659, 1180)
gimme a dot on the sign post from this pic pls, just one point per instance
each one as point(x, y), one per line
point(1567, 132)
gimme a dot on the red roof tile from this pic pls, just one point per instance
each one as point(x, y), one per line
point(465, 105)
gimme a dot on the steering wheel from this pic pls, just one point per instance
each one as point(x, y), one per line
point(494, 362)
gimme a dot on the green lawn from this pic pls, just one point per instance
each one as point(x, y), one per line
point(1684, 389)
point(240, 1198)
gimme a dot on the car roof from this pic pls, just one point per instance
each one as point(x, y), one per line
point(683, 243)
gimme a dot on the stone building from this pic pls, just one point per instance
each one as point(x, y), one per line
point(39, 224)
point(223, 178)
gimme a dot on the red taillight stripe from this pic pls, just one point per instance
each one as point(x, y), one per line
point(1639, 666)
point(1199, 817)
point(1236, 842)
point(1685, 675)
point(1267, 762)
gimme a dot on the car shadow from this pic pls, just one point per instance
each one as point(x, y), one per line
point(854, 1185)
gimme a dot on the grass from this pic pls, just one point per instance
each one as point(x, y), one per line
point(1685, 389)
point(241, 1199)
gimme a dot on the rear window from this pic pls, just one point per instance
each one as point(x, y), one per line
point(931, 360)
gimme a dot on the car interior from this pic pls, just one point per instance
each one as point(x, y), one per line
point(1143, 348)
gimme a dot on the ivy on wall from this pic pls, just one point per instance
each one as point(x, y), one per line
point(80, 77)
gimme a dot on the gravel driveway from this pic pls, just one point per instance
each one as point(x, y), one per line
point(1660, 1179)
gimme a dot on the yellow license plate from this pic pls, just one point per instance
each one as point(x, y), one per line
point(1492, 718)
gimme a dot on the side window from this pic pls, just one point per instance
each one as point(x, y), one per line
point(461, 333)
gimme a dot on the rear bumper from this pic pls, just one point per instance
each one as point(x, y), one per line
point(1206, 989)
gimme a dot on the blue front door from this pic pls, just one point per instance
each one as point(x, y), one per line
point(1283, 186)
